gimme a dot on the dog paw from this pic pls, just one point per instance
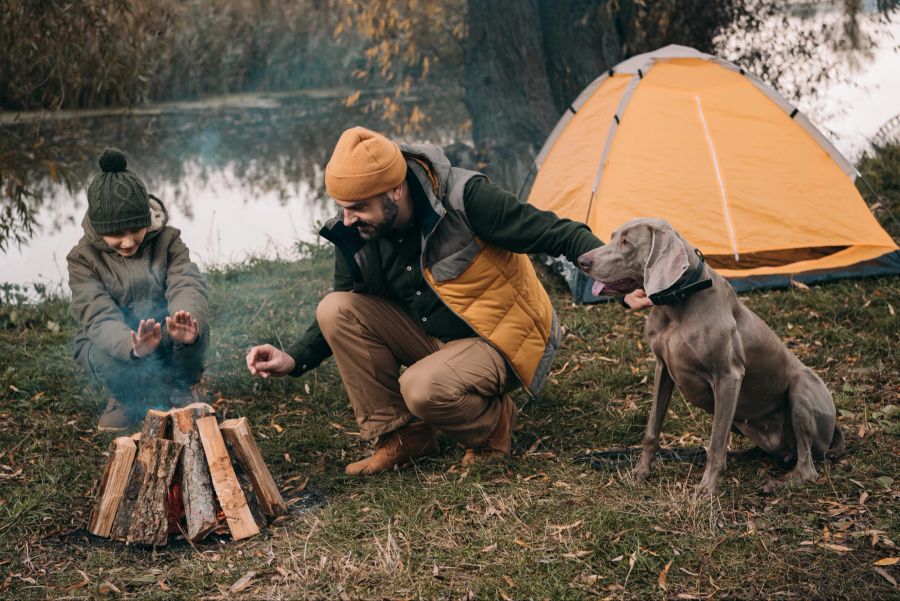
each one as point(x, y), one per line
point(641, 472)
point(707, 487)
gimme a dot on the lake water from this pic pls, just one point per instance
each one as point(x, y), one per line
point(243, 176)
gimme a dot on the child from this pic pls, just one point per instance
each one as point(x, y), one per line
point(141, 302)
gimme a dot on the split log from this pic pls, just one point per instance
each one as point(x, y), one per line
point(150, 519)
point(237, 433)
point(240, 518)
point(156, 424)
point(154, 427)
point(247, 488)
point(197, 491)
point(112, 485)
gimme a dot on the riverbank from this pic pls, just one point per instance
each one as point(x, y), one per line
point(547, 526)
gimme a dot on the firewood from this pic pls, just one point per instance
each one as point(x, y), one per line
point(246, 487)
point(112, 485)
point(156, 424)
point(154, 427)
point(197, 491)
point(237, 433)
point(149, 521)
point(240, 518)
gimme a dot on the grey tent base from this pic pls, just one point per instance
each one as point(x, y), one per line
point(885, 265)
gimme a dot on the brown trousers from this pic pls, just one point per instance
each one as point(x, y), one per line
point(453, 386)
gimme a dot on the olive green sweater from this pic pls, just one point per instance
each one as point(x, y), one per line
point(496, 216)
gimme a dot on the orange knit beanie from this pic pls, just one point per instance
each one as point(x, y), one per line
point(364, 164)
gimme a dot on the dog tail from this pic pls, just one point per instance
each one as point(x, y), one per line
point(838, 446)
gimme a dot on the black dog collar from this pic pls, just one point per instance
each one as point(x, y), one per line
point(679, 291)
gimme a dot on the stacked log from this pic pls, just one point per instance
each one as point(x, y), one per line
point(181, 465)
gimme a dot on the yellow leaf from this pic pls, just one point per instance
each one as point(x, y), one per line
point(833, 547)
point(664, 574)
point(887, 561)
point(352, 98)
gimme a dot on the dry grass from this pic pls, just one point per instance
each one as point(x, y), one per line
point(546, 526)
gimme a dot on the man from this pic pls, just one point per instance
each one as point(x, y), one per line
point(430, 273)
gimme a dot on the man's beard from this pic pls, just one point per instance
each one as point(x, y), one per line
point(387, 223)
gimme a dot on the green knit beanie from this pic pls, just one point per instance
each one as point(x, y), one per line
point(117, 198)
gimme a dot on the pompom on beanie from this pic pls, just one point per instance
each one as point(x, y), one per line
point(117, 198)
point(364, 164)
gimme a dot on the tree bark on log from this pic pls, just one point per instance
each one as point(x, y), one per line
point(112, 485)
point(237, 433)
point(241, 520)
point(156, 424)
point(150, 521)
point(154, 427)
point(197, 492)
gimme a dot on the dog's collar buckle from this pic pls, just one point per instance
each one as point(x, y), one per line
point(680, 291)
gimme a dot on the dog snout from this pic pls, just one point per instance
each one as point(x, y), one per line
point(585, 262)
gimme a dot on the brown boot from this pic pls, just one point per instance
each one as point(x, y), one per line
point(497, 446)
point(397, 448)
point(116, 417)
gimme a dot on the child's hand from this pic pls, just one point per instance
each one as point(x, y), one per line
point(182, 328)
point(146, 339)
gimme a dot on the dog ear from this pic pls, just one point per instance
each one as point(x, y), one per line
point(667, 262)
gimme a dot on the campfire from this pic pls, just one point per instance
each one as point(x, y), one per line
point(184, 472)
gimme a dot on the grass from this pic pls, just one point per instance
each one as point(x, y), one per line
point(545, 527)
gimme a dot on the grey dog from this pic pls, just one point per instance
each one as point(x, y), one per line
point(723, 358)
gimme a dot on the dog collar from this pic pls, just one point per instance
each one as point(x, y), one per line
point(679, 291)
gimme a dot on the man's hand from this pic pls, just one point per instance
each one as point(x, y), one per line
point(146, 339)
point(182, 328)
point(266, 360)
point(638, 299)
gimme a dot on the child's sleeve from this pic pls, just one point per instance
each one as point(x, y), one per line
point(185, 286)
point(99, 315)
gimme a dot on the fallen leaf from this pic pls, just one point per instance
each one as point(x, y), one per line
point(509, 581)
point(799, 285)
point(162, 584)
point(663, 575)
point(242, 582)
point(278, 428)
point(576, 554)
point(887, 561)
point(883, 573)
point(106, 587)
point(834, 547)
point(306, 388)
point(490, 548)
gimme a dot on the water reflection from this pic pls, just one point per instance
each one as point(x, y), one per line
point(238, 182)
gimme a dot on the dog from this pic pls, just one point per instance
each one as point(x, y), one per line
point(722, 356)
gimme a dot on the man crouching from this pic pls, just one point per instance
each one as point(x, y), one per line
point(430, 273)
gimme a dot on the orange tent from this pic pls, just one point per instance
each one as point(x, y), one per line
point(731, 164)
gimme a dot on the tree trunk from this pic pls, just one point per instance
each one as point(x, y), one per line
point(581, 41)
point(507, 89)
